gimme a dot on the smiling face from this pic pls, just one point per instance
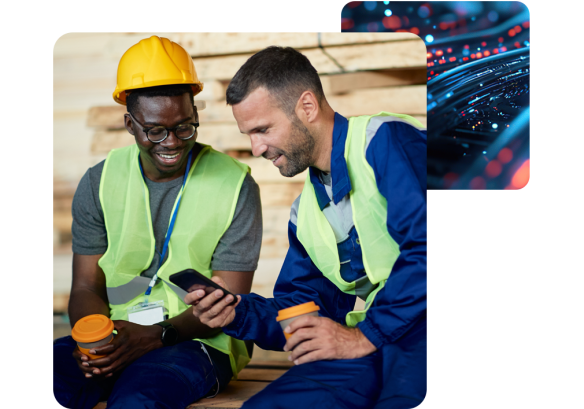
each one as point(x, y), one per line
point(288, 144)
point(166, 160)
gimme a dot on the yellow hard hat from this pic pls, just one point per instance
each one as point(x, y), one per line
point(152, 62)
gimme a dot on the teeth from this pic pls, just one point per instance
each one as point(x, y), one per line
point(168, 156)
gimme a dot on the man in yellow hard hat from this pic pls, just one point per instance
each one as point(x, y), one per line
point(148, 211)
point(357, 230)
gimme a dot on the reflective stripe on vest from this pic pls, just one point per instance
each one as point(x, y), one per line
point(206, 211)
point(369, 208)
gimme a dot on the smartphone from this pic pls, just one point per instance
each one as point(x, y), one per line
point(191, 280)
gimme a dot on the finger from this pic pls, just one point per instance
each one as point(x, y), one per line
point(220, 306)
point(306, 321)
point(206, 303)
point(309, 357)
point(224, 318)
point(304, 348)
point(299, 336)
point(194, 297)
point(104, 349)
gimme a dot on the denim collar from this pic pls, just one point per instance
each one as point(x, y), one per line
point(339, 172)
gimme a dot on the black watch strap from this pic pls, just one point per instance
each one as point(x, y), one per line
point(169, 333)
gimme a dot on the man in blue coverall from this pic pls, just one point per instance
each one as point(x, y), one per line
point(372, 359)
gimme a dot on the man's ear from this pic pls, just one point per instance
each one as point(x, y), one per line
point(129, 124)
point(307, 108)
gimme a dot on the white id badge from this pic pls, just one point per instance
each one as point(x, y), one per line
point(146, 313)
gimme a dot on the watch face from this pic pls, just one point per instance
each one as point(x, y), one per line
point(169, 336)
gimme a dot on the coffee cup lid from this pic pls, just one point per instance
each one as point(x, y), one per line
point(297, 310)
point(92, 328)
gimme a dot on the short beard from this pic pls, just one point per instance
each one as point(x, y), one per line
point(300, 150)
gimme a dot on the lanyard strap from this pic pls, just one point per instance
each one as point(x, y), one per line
point(170, 227)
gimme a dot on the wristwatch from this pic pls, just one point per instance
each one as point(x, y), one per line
point(169, 334)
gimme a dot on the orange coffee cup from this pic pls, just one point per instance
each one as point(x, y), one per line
point(287, 315)
point(93, 331)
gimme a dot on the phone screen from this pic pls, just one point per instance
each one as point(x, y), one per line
point(191, 280)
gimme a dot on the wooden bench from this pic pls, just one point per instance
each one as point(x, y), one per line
point(252, 379)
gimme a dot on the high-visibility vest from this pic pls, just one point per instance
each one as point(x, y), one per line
point(206, 210)
point(380, 250)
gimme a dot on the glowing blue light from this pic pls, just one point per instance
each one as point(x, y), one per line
point(370, 5)
point(388, 12)
point(493, 16)
point(386, 2)
point(449, 95)
point(481, 85)
point(495, 126)
point(484, 152)
point(432, 106)
point(465, 145)
point(466, 52)
point(526, 43)
point(424, 11)
point(429, 38)
point(429, 96)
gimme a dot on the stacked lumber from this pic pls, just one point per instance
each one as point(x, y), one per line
point(361, 73)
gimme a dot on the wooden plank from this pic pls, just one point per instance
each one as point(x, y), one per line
point(342, 83)
point(402, 54)
point(335, 39)
point(404, 100)
point(113, 45)
point(106, 117)
point(274, 246)
point(260, 374)
point(283, 364)
point(104, 141)
point(212, 44)
point(60, 303)
point(62, 220)
point(280, 194)
point(234, 394)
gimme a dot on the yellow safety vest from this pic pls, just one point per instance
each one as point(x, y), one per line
point(206, 210)
point(369, 207)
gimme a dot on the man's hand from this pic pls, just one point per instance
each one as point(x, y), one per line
point(131, 343)
point(209, 310)
point(319, 338)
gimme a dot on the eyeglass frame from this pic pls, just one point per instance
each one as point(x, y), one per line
point(168, 130)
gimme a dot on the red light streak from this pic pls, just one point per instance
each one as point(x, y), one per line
point(472, 56)
point(439, 53)
point(511, 33)
point(391, 22)
point(505, 155)
point(516, 44)
point(449, 50)
point(487, 53)
point(479, 55)
point(452, 59)
point(501, 39)
point(484, 44)
point(496, 51)
point(428, 55)
point(347, 23)
point(517, 29)
point(521, 176)
point(415, 30)
point(526, 24)
point(503, 49)
point(464, 58)
point(478, 183)
point(493, 169)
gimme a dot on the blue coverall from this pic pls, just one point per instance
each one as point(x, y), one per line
point(395, 375)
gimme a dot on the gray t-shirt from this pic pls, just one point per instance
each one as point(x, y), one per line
point(237, 250)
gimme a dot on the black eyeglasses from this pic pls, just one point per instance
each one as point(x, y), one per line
point(157, 134)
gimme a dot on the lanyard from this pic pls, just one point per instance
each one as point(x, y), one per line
point(170, 227)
